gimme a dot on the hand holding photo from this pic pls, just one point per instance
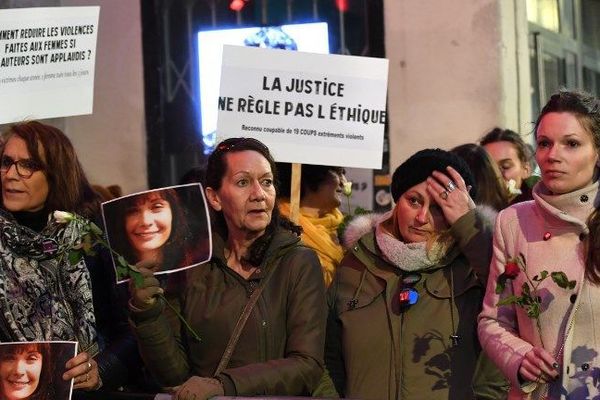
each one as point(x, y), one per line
point(86, 236)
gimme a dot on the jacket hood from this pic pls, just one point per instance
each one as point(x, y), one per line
point(487, 213)
point(360, 226)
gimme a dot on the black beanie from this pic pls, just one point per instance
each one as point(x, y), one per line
point(420, 166)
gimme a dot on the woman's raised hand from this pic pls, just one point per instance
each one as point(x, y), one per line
point(451, 193)
point(144, 296)
point(84, 370)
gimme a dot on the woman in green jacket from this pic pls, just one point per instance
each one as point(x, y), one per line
point(280, 349)
point(404, 303)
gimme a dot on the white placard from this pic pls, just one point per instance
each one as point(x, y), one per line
point(311, 37)
point(308, 108)
point(47, 58)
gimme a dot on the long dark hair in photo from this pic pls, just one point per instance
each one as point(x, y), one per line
point(45, 389)
point(586, 108)
point(216, 170)
point(180, 238)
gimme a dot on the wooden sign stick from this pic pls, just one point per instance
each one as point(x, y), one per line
point(295, 192)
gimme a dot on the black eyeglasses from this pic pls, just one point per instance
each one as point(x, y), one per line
point(25, 167)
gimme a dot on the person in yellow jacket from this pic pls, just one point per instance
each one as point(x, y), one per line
point(321, 194)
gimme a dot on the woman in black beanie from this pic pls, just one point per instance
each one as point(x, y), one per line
point(404, 303)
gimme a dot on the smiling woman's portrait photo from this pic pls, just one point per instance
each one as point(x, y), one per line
point(21, 370)
point(168, 226)
point(27, 370)
point(149, 222)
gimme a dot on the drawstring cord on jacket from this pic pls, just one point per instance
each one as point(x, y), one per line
point(353, 302)
point(454, 337)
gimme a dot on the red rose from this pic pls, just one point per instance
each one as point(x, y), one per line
point(512, 270)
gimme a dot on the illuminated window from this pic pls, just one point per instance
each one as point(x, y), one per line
point(544, 13)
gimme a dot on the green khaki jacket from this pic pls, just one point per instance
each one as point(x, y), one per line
point(280, 351)
point(376, 349)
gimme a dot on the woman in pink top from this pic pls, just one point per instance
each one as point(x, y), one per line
point(557, 232)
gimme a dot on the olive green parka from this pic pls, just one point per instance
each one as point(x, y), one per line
point(280, 351)
point(378, 349)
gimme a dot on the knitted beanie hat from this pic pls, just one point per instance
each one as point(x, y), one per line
point(420, 166)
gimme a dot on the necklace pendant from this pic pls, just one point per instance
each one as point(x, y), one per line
point(455, 340)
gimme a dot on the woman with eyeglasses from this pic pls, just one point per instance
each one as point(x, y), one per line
point(404, 302)
point(42, 295)
point(256, 257)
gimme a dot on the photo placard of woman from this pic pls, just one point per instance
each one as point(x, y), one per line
point(28, 370)
point(168, 226)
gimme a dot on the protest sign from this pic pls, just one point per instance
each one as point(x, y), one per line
point(47, 58)
point(33, 370)
point(170, 226)
point(308, 108)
